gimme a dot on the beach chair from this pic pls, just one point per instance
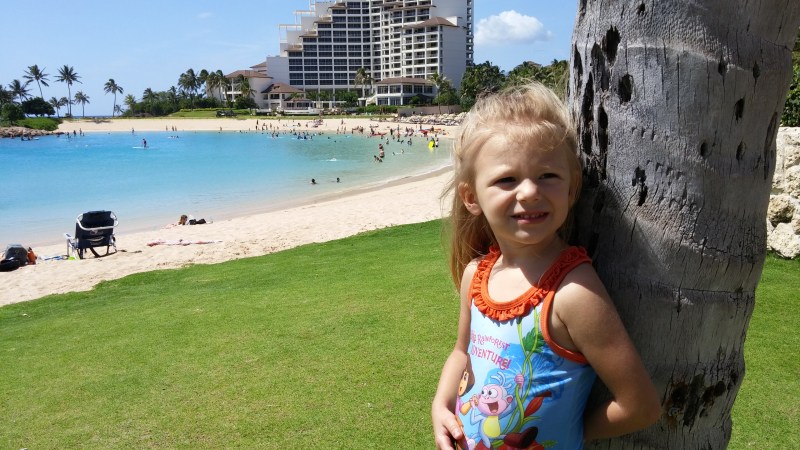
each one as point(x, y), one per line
point(92, 230)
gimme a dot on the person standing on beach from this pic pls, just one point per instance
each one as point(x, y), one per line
point(536, 325)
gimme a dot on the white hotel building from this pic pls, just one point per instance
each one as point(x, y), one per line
point(400, 44)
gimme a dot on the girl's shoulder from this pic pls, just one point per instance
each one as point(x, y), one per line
point(581, 279)
point(468, 275)
point(581, 291)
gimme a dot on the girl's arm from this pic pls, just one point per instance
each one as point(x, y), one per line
point(445, 427)
point(594, 326)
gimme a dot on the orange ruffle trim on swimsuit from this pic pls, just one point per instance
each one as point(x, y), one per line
point(520, 306)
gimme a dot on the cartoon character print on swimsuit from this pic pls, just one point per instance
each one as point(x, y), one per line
point(525, 394)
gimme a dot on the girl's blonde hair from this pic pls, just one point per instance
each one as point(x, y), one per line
point(528, 116)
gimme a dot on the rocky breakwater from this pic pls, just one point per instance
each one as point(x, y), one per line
point(783, 215)
point(19, 132)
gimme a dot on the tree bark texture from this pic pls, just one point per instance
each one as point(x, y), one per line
point(677, 105)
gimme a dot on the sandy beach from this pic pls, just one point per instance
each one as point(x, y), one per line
point(413, 200)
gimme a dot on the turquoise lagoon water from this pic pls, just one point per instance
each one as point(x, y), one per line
point(47, 183)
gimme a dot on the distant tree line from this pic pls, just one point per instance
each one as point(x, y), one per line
point(191, 89)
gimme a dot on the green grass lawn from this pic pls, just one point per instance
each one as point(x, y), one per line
point(766, 414)
point(334, 345)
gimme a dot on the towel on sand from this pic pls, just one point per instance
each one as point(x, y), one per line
point(180, 242)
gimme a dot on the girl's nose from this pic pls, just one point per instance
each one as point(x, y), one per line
point(527, 190)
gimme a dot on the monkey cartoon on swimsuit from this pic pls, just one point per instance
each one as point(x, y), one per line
point(491, 405)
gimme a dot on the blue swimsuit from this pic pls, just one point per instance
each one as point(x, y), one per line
point(520, 388)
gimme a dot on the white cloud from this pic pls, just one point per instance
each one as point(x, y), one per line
point(509, 28)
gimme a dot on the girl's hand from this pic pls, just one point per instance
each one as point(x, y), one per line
point(446, 430)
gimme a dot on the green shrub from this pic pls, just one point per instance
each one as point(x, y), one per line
point(791, 110)
point(40, 123)
point(11, 114)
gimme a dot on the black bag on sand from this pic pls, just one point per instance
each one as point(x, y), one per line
point(14, 257)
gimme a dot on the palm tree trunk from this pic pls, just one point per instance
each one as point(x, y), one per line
point(678, 106)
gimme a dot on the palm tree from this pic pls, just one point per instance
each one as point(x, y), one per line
point(56, 104)
point(244, 87)
point(68, 75)
point(215, 81)
point(189, 83)
point(678, 139)
point(480, 79)
point(149, 97)
point(83, 99)
point(130, 102)
point(114, 88)
point(118, 109)
point(64, 101)
point(238, 82)
point(172, 96)
point(34, 74)
point(5, 96)
point(362, 79)
point(444, 89)
point(19, 90)
point(224, 86)
point(202, 78)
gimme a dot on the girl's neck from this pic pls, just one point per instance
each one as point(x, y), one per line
point(520, 267)
point(521, 256)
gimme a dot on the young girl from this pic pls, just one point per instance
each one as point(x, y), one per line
point(536, 324)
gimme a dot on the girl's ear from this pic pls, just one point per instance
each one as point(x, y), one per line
point(469, 199)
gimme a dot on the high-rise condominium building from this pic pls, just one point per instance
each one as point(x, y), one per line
point(394, 45)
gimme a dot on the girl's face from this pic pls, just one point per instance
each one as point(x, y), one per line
point(523, 192)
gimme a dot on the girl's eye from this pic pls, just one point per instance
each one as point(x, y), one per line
point(549, 175)
point(505, 180)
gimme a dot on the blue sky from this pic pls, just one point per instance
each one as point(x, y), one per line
point(150, 44)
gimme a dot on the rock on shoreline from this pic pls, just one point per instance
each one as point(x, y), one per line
point(783, 215)
point(14, 132)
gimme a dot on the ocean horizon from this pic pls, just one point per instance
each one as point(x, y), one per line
point(212, 175)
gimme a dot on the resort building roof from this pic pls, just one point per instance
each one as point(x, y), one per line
point(432, 22)
point(247, 74)
point(405, 80)
point(281, 88)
